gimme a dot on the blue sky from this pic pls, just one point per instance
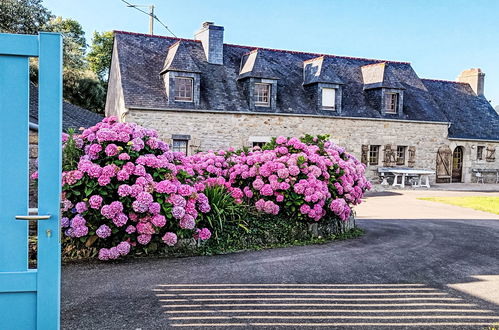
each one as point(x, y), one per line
point(440, 38)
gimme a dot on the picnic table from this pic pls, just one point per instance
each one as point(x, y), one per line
point(480, 171)
point(403, 173)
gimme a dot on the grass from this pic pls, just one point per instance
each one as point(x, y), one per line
point(481, 203)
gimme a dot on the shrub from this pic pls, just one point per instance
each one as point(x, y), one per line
point(127, 190)
point(308, 178)
point(124, 189)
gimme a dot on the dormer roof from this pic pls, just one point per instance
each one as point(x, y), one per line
point(178, 58)
point(320, 70)
point(255, 64)
point(380, 75)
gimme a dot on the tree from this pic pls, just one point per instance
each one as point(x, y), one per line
point(23, 16)
point(81, 86)
point(74, 42)
point(99, 57)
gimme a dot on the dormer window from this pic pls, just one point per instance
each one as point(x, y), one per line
point(391, 102)
point(183, 89)
point(262, 95)
point(329, 98)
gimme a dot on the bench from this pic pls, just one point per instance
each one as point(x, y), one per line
point(479, 173)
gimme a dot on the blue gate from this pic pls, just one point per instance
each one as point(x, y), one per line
point(30, 298)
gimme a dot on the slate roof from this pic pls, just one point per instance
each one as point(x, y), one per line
point(72, 115)
point(179, 59)
point(471, 117)
point(380, 75)
point(320, 70)
point(142, 58)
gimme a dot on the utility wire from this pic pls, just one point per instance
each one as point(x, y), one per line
point(148, 14)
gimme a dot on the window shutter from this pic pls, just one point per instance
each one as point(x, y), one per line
point(328, 97)
point(364, 155)
point(491, 153)
point(412, 156)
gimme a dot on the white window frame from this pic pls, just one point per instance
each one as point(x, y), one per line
point(390, 98)
point(261, 96)
point(328, 106)
point(372, 152)
point(185, 97)
point(401, 155)
point(480, 156)
point(176, 148)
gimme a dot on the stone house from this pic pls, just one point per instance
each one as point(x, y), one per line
point(202, 94)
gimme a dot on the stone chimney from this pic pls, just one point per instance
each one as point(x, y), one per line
point(474, 77)
point(212, 38)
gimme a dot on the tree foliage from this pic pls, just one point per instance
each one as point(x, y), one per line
point(99, 57)
point(74, 42)
point(82, 84)
point(23, 16)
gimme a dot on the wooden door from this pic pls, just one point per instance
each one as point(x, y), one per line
point(444, 165)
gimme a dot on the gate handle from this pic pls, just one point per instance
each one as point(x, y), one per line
point(32, 217)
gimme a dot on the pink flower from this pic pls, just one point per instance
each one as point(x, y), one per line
point(123, 248)
point(103, 231)
point(266, 190)
point(170, 239)
point(202, 234)
point(81, 207)
point(158, 220)
point(144, 239)
point(111, 150)
point(95, 201)
point(258, 184)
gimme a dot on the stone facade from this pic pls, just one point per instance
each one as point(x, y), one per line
point(213, 131)
point(471, 162)
point(379, 105)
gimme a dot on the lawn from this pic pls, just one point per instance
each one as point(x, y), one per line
point(481, 203)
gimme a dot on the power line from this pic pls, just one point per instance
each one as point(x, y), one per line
point(149, 14)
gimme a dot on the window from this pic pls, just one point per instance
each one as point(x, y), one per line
point(183, 89)
point(328, 98)
point(479, 152)
point(373, 155)
point(180, 146)
point(391, 102)
point(262, 95)
point(259, 144)
point(401, 155)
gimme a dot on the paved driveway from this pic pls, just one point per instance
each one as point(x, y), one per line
point(413, 274)
point(404, 204)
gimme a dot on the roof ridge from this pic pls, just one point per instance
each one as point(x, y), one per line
point(443, 80)
point(154, 36)
point(317, 54)
point(267, 49)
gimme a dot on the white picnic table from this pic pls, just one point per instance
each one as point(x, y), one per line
point(403, 173)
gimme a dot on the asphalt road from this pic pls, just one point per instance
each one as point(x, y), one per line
point(402, 274)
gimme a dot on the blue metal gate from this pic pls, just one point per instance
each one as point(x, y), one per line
point(30, 298)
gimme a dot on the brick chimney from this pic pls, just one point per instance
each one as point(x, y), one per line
point(212, 38)
point(474, 77)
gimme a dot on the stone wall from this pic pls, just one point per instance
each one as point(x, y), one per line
point(209, 130)
point(471, 162)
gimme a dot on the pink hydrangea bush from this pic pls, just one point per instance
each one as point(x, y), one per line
point(308, 178)
point(127, 190)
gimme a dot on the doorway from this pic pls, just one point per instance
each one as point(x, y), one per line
point(457, 164)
